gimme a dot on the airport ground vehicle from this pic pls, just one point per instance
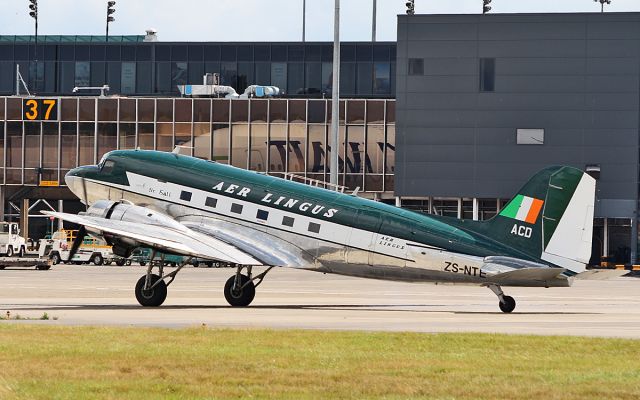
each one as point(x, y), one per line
point(142, 256)
point(11, 243)
point(92, 250)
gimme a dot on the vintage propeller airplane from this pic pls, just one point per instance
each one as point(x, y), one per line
point(183, 205)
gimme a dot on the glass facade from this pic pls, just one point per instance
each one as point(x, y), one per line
point(58, 64)
point(275, 136)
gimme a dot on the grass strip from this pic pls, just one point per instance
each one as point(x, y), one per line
point(54, 362)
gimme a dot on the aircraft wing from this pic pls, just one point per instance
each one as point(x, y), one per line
point(164, 238)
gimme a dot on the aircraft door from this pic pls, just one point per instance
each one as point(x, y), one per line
point(362, 237)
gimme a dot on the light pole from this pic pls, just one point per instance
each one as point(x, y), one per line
point(110, 18)
point(602, 3)
point(304, 20)
point(33, 6)
point(374, 20)
point(335, 99)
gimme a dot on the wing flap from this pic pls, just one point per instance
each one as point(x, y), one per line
point(186, 242)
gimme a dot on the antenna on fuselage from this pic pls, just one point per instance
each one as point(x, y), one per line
point(179, 147)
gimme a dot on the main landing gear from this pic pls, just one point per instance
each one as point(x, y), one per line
point(507, 303)
point(240, 289)
point(151, 289)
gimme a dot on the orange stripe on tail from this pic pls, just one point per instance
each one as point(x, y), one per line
point(536, 206)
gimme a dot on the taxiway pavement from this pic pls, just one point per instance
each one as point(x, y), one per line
point(90, 295)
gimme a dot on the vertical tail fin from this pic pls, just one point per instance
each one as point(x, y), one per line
point(551, 218)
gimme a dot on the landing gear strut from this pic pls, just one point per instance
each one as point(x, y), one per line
point(507, 303)
point(151, 289)
point(239, 290)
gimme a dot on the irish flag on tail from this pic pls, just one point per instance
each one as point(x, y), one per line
point(523, 208)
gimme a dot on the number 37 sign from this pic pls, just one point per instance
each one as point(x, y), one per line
point(40, 109)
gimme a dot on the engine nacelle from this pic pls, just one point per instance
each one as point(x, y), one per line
point(124, 211)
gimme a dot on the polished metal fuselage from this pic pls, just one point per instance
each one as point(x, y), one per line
point(417, 263)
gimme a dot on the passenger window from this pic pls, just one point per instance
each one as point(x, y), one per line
point(313, 227)
point(287, 221)
point(262, 215)
point(186, 196)
point(236, 208)
point(211, 202)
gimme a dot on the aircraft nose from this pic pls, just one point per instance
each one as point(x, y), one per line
point(75, 181)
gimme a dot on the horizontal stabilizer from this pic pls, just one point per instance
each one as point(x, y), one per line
point(601, 274)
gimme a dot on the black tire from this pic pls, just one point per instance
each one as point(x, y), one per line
point(242, 297)
point(508, 305)
point(154, 297)
point(10, 251)
point(142, 263)
point(195, 263)
point(21, 252)
point(127, 262)
point(97, 259)
point(2, 267)
point(43, 267)
point(173, 264)
point(209, 264)
point(120, 262)
point(55, 258)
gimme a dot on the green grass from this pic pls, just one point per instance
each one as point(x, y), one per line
point(50, 362)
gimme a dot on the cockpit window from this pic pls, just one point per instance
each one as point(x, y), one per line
point(107, 167)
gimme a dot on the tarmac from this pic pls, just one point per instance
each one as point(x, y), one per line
point(104, 296)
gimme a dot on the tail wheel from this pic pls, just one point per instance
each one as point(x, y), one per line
point(152, 297)
point(10, 251)
point(242, 295)
point(508, 305)
point(96, 259)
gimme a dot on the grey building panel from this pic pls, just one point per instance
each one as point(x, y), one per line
point(442, 153)
point(441, 136)
point(540, 66)
point(451, 66)
point(437, 49)
point(619, 30)
point(612, 48)
point(442, 84)
point(612, 101)
point(604, 66)
point(606, 136)
point(540, 84)
point(531, 48)
point(446, 32)
point(530, 101)
point(574, 75)
point(612, 84)
point(442, 101)
point(537, 30)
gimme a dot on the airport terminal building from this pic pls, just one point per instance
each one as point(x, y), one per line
point(474, 105)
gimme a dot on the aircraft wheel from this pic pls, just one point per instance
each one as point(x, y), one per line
point(153, 297)
point(508, 305)
point(97, 259)
point(240, 297)
point(55, 259)
point(10, 251)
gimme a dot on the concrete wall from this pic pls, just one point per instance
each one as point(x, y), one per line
point(574, 75)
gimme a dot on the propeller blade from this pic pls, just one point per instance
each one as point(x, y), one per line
point(77, 242)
